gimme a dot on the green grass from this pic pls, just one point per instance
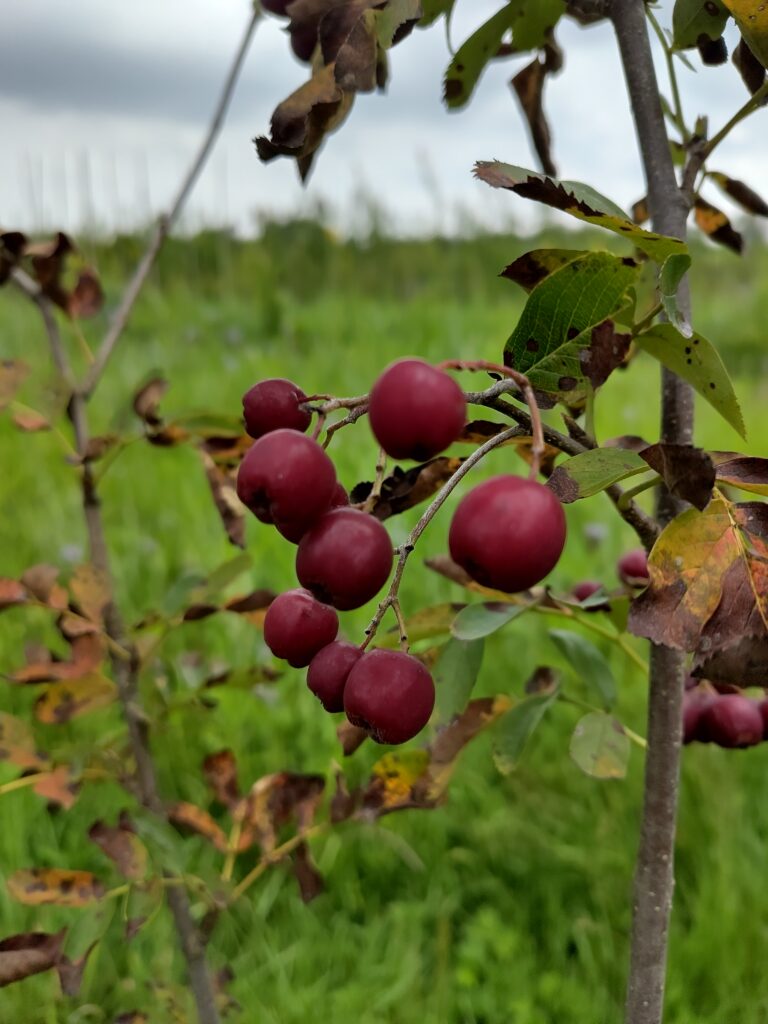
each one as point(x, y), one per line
point(511, 904)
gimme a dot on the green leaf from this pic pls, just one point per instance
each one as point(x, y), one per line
point(693, 18)
point(434, 8)
point(479, 620)
point(591, 472)
point(587, 662)
point(455, 675)
point(696, 360)
point(424, 625)
point(227, 573)
point(390, 18)
point(672, 272)
point(558, 318)
point(579, 201)
point(528, 23)
point(516, 727)
point(600, 747)
point(531, 268)
point(752, 19)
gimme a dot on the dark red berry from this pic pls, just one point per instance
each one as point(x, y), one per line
point(295, 531)
point(390, 694)
point(345, 558)
point(416, 411)
point(340, 497)
point(633, 568)
point(733, 721)
point(508, 533)
point(304, 39)
point(286, 478)
point(328, 671)
point(695, 703)
point(276, 6)
point(297, 626)
point(274, 405)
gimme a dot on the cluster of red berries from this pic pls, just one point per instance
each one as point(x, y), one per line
point(726, 719)
point(632, 568)
point(507, 533)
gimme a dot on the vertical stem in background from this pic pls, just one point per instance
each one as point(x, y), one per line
point(654, 875)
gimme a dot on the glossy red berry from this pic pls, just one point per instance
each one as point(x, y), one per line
point(345, 558)
point(328, 672)
point(633, 568)
point(733, 721)
point(508, 533)
point(340, 498)
point(275, 404)
point(391, 694)
point(297, 626)
point(695, 703)
point(416, 411)
point(286, 478)
point(294, 531)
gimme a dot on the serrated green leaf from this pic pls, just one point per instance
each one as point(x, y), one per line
point(579, 201)
point(591, 472)
point(588, 663)
point(693, 18)
point(558, 318)
point(515, 728)
point(672, 273)
point(600, 747)
point(528, 23)
point(434, 8)
point(696, 360)
point(455, 675)
point(479, 620)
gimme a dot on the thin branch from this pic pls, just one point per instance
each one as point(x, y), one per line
point(33, 291)
point(166, 222)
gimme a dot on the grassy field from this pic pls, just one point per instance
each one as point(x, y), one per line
point(511, 904)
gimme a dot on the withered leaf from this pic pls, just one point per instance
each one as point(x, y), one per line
point(13, 373)
point(70, 972)
point(716, 225)
point(532, 267)
point(742, 471)
point(87, 654)
point(31, 953)
point(60, 786)
point(310, 880)
point(276, 799)
point(351, 737)
point(12, 245)
point(231, 510)
point(36, 886)
point(92, 590)
point(749, 67)
point(146, 401)
point(253, 606)
point(688, 472)
point(30, 422)
point(528, 85)
point(87, 297)
point(742, 194)
point(123, 847)
point(131, 1017)
point(70, 698)
point(12, 592)
point(742, 664)
point(708, 579)
point(347, 36)
point(640, 211)
point(17, 744)
point(40, 580)
point(607, 351)
point(48, 260)
point(220, 772)
point(343, 803)
point(189, 817)
point(405, 489)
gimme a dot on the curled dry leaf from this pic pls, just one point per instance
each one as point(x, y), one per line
point(70, 972)
point(528, 85)
point(48, 259)
point(351, 737)
point(310, 880)
point(12, 245)
point(688, 472)
point(275, 800)
point(146, 401)
point(30, 953)
point(60, 786)
point(12, 592)
point(67, 699)
point(220, 772)
point(405, 489)
point(231, 510)
point(123, 847)
point(87, 654)
point(716, 225)
point(17, 744)
point(749, 67)
point(87, 297)
point(191, 818)
point(37, 886)
point(92, 590)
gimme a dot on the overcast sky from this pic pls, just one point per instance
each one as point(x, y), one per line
point(102, 104)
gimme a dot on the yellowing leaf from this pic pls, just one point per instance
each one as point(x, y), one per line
point(17, 744)
point(70, 698)
point(37, 886)
point(752, 18)
point(91, 589)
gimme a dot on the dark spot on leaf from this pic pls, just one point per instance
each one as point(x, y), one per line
point(695, 341)
point(460, 68)
point(687, 350)
point(567, 383)
point(711, 8)
point(712, 386)
point(689, 361)
point(625, 227)
point(532, 345)
point(627, 261)
point(573, 332)
point(453, 89)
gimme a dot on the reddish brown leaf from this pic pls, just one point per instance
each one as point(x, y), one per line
point(11, 593)
point(256, 601)
point(70, 972)
point(347, 37)
point(351, 737)
point(195, 612)
point(121, 844)
point(716, 225)
point(87, 655)
point(528, 85)
point(688, 472)
point(59, 786)
point(40, 580)
point(310, 880)
point(191, 818)
point(640, 212)
point(17, 744)
point(231, 510)
point(742, 471)
point(87, 297)
point(343, 803)
point(48, 260)
point(606, 352)
point(36, 886)
point(32, 953)
point(276, 799)
point(146, 401)
point(544, 679)
point(70, 698)
point(407, 488)
point(220, 772)
point(13, 372)
point(30, 422)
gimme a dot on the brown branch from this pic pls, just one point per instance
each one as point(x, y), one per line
point(167, 220)
point(654, 873)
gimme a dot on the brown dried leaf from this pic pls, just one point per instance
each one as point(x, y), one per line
point(87, 297)
point(606, 352)
point(528, 85)
point(37, 886)
point(11, 593)
point(131, 1017)
point(343, 803)
point(276, 799)
point(716, 225)
point(146, 401)
point(40, 580)
point(231, 510)
point(12, 245)
point(351, 737)
point(220, 772)
point(13, 373)
point(59, 786)
point(87, 655)
point(249, 604)
point(640, 212)
point(742, 471)
point(688, 472)
point(70, 698)
point(91, 589)
point(17, 744)
point(30, 422)
point(31, 953)
point(189, 817)
point(70, 972)
point(195, 612)
point(347, 37)
point(749, 67)
point(405, 489)
point(310, 880)
point(48, 260)
point(121, 844)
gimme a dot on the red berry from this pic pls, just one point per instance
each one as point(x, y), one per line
point(695, 703)
point(508, 533)
point(274, 405)
point(633, 568)
point(297, 626)
point(345, 558)
point(733, 721)
point(416, 410)
point(286, 478)
point(340, 497)
point(328, 671)
point(390, 694)
point(294, 531)
point(586, 589)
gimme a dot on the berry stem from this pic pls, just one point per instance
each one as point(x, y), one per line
point(537, 429)
point(381, 466)
point(391, 600)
